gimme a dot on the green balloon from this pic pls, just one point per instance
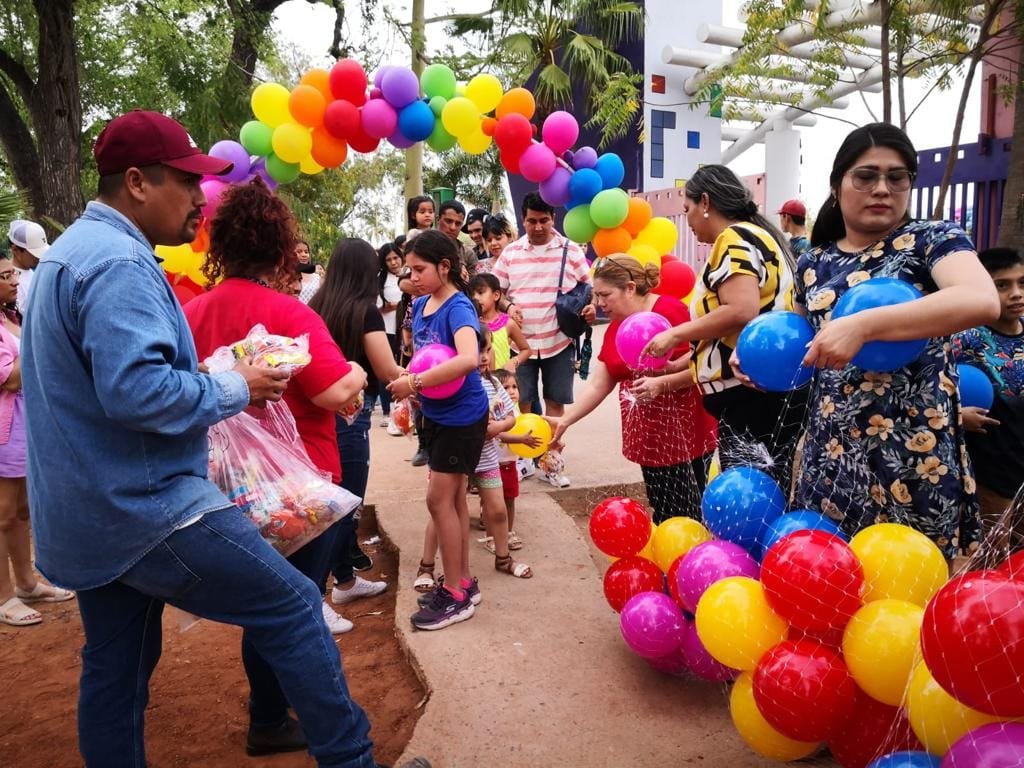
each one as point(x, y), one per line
point(609, 208)
point(256, 138)
point(578, 225)
point(438, 80)
point(440, 140)
point(437, 105)
point(280, 171)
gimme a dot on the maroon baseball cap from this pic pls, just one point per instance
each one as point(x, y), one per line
point(140, 138)
point(793, 208)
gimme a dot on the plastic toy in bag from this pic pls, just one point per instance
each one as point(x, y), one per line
point(266, 349)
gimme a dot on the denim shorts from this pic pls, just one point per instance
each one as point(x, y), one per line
point(453, 450)
point(557, 372)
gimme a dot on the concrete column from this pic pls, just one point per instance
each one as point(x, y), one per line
point(782, 167)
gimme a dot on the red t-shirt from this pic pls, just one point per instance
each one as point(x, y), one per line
point(673, 427)
point(227, 313)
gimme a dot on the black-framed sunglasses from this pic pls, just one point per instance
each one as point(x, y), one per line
point(865, 179)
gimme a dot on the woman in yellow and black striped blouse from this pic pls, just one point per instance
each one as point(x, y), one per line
point(749, 272)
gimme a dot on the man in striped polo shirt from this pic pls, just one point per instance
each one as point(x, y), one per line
point(528, 271)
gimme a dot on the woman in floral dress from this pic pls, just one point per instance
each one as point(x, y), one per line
point(888, 446)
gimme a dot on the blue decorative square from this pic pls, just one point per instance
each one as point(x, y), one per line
point(693, 139)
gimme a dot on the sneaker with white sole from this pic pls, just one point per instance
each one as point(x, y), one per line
point(361, 588)
point(337, 623)
point(559, 481)
point(392, 429)
point(526, 468)
point(443, 610)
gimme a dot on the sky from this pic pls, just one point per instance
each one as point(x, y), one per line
point(309, 28)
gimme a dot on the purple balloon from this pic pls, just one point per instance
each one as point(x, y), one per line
point(400, 87)
point(234, 153)
point(259, 168)
point(634, 334)
point(379, 119)
point(555, 190)
point(673, 664)
point(997, 745)
point(431, 356)
point(651, 624)
point(584, 157)
point(378, 76)
point(710, 562)
point(700, 662)
point(398, 140)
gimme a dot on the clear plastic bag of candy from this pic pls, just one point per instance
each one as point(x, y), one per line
point(266, 349)
point(274, 483)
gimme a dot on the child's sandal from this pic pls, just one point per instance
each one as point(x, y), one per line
point(512, 568)
point(424, 578)
point(514, 542)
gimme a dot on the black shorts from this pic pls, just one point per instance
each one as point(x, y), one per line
point(453, 450)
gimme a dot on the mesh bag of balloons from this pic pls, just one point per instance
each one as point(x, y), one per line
point(863, 646)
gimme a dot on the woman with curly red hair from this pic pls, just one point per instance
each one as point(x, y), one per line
point(252, 254)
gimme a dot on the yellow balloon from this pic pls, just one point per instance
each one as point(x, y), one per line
point(485, 91)
point(736, 624)
point(936, 718)
point(195, 274)
point(900, 563)
point(178, 259)
point(715, 469)
point(881, 646)
point(674, 537)
point(644, 253)
point(756, 731)
point(270, 104)
point(309, 166)
point(475, 143)
point(648, 550)
point(292, 142)
point(661, 234)
point(460, 117)
point(530, 422)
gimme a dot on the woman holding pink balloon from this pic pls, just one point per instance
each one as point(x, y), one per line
point(664, 427)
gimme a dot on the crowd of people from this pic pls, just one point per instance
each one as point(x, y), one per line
point(108, 375)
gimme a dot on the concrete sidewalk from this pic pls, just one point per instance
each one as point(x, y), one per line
point(540, 675)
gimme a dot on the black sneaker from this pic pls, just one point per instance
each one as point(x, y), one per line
point(420, 458)
point(360, 560)
point(286, 736)
point(442, 610)
point(424, 600)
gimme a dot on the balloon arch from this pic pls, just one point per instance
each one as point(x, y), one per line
point(329, 113)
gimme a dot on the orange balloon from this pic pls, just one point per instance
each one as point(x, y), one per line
point(638, 216)
point(201, 242)
point(327, 150)
point(488, 125)
point(319, 79)
point(609, 241)
point(519, 101)
point(307, 105)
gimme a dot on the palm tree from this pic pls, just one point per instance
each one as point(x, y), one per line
point(477, 180)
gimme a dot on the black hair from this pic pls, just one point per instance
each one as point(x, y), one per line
point(10, 310)
point(484, 280)
point(798, 220)
point(382, 253)
point(348, 293)
point(498, 225)
point(109, 185)
point(414, 205)
point(995, 259)
point(532, 201)
point(731, 198)
point(451, 205)
point(436, 247)
point(829, 226)
point(504, 377)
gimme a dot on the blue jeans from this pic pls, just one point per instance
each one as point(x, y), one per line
point(354, 446)
point(218, 568)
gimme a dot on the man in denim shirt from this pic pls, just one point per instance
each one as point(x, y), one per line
point(126, 515)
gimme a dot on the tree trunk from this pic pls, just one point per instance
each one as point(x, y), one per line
point(414, 155)
point(1011, 221)
point(886, 64)
point(20, 151)
point(954, 144)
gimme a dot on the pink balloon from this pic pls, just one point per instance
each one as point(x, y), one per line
point(213, 189)
point(699, 661)
point(429, 357)
point(379, 119)
point(673, 664)
point(652, 625)
point(634, 334)
point(707, 563)
point(537, 163)
point(560, 131)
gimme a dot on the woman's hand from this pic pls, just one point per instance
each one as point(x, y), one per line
point(737, 370)
point(661, 344)
point(401, 388)
point(558, 427)
point(515, 313)
point(976, 419)
point(646, 388)
point(836, 343)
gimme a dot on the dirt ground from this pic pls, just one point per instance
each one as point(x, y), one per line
point(197, 713)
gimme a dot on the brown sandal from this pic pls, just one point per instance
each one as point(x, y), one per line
point(512, 568)
point(424, 578)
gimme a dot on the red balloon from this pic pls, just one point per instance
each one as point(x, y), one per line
point(348, 81)
point(874, 729)
point(362, 142)
point(184, 288)
point(670, 579)
point(341, 119)
point(1013, 566)
point(630, 576)
point(677, 279)
point(972, 639)
point(813, 580)
point(804, 690)
point(513, 133)
point(510, 161)
point(620, 527)
point(832, 637)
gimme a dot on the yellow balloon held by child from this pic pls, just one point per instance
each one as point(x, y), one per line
point(536, 426)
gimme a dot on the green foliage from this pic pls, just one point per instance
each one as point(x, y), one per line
point(478, 180)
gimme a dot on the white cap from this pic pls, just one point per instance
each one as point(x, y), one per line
point(28, 235)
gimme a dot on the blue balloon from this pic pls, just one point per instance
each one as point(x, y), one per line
point(739, 503)
point(583, 185)
point(975, 387)
point(416, 121)
point(907, 759)
point(799, 520)
point(771, 348)
point(612, 171)
point(881, 292)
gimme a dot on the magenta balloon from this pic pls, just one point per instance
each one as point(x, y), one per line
point(379, 119)
point(700, 662)
point(707, 563)
point(234, 153)
point(634, 334)
point(560, 131)
point(997, 745)
point(673, 664)
point(400, 87)
point(584, 157)
point(651, 624)
point(213, 189)
point(376, 93)
point(429, 357)
point(537, 163)
point(555, 190)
